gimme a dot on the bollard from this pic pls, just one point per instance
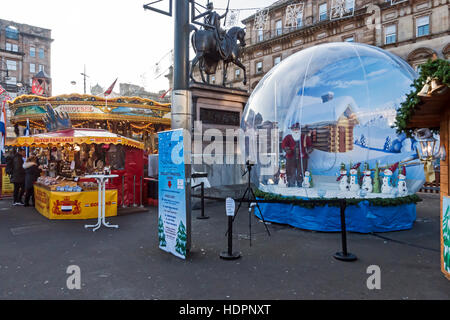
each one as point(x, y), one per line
point(123, 191)
point(142, 205)
point(229, 254)
point(202, 194)
point(134, 191)
point(344, 255)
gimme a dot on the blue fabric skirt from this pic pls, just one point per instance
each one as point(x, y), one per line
point(363, 217)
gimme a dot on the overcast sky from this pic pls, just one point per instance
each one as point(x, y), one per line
point(113, 38)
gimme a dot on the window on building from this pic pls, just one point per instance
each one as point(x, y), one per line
point(276, 60)
point(300, 19)
point(32, 52)
point(390, 34)
point(349, 39)
point(41, 53)
point(213, 79)
point(41, 67)
point(423, 26)
point(260, 35)
point(12, 47)
point(237, 73)
point(11, 80)
point(32, 67)
point(259, 67)
point(12, 33)
point(11, 65)
point(349, 5)
point(323, 12)
point(279, 28)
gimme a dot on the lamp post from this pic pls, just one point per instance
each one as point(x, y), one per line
point(427, 152)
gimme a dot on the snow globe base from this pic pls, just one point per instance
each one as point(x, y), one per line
point(345, 257)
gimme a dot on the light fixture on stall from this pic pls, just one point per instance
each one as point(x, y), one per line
point(427, 152)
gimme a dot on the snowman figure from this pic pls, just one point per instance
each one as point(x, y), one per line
point(402, 189)
point(386, 187)
point(282, 181)
point(367, 179)
point(307, 181)
point(354, 184)
point(343, 179)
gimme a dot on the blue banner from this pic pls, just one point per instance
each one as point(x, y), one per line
point(172, 232)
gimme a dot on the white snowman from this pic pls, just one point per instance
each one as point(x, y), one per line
point(282, 181)
point(307, 180)
point(367, 179)
point(402, 189)
point(387, 187)
point(343, 179)
point(354, 184)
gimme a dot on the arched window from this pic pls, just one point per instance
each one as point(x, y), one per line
point(446, 51)
point(12, 33)
point(419, 56)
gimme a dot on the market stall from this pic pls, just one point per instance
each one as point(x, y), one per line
point(67, 156)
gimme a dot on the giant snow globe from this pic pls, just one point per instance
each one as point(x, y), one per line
point(320, 125)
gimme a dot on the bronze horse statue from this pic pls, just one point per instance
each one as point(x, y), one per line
point(209, 52)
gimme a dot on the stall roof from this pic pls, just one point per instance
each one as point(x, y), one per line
point(75, 135)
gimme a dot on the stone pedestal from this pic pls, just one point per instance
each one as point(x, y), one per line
point(218, 108)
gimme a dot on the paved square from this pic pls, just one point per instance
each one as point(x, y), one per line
point(290, 264)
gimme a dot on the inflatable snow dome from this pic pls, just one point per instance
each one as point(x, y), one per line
point(319, 125)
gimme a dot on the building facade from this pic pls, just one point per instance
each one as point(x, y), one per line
point(25, 51)
point(412, 29)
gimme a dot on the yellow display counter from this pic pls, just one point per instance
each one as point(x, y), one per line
point(72, 205)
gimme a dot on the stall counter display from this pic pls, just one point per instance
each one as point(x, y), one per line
point(70, 205)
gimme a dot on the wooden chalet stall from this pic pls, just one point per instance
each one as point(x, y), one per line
point(434, 112)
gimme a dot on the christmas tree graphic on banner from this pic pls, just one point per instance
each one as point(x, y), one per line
point(161, 234)
point(180, 246)
point(446, 235)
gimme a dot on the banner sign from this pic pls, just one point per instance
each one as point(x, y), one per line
point(73, 205)
point(172, 193)
point(445, 241)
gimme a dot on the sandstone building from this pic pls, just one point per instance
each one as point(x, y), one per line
point(411, 29)
point(25, 51)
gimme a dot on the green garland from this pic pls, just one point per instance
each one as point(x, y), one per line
point(439, 69)
point(379, 202)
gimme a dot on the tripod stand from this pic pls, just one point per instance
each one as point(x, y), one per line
point(249, 195)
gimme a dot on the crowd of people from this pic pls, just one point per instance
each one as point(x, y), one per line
point(23, 172)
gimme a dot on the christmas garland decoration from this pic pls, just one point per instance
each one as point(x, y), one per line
point(435, 69)
point(379, 202)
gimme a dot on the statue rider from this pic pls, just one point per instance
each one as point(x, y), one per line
point(212, 22)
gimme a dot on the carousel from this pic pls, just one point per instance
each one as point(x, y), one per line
point(133, 117)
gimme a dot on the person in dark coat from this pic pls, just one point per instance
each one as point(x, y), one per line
point(18, 177)
point(32, 173)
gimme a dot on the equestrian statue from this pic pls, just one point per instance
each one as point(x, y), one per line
point(212, 44)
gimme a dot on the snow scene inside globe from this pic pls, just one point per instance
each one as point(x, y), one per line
point(319, 125)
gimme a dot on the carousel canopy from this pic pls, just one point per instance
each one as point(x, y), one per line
point(74, 136)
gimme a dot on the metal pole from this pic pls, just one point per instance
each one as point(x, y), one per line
point(123, 191)
point(181, 112)
point(134, 191)
point(229, 254)
point(344, 255)
point(141, 205)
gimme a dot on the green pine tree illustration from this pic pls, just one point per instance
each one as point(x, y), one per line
point(376, 180)
point(180, 246)
point(446, 235)
point(161, 234)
